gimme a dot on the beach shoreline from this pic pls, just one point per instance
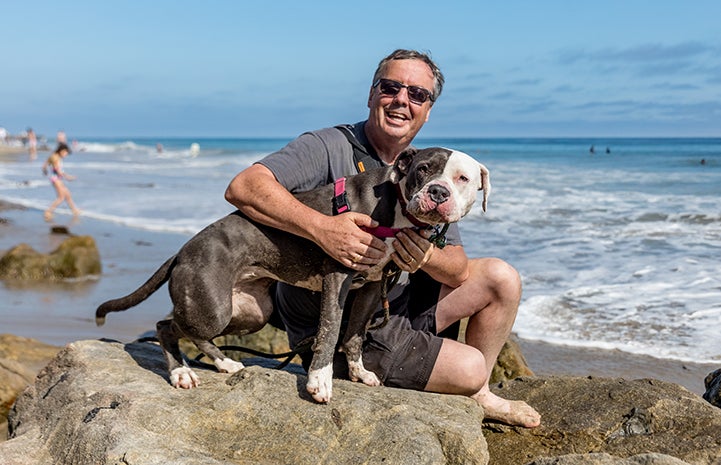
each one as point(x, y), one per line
point(129, 256)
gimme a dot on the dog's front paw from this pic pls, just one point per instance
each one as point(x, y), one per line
point(320, 384)
point(184, 378)
point(357, 372)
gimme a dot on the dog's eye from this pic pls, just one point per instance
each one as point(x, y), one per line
point(463, 179)
point(423, 169)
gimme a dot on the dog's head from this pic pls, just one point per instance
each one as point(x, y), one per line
point(440, 184)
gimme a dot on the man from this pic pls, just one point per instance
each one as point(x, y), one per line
point(407, 352)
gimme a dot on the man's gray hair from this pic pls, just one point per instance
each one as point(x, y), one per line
point(402, 54)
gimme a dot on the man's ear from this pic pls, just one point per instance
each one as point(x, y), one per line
point(403, 164)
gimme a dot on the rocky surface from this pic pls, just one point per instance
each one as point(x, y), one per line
point(623, 418)
point(104, 402)
point(20, 360)
point(511, 363)
point(76, 256)
point(606, 459)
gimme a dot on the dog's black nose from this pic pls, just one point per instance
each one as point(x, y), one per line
point(438, 193)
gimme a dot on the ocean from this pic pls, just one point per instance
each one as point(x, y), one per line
point(618, 249)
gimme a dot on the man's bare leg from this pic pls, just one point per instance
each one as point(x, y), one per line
point(490, 298)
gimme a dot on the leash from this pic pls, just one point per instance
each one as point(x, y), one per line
point(391, 274)
point(302, 347)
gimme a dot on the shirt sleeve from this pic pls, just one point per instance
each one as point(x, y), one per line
point(312, 160)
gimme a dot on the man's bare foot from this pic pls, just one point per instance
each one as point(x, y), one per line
point(48, 215)
point(510, 412)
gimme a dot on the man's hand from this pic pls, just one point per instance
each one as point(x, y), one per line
point(342, 239)
point(412, 250)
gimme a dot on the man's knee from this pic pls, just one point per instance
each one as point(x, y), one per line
point(498, 275)
point(474, 373)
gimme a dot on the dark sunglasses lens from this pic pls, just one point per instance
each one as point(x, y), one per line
point(415, 93)
point(418, 94)
point(390, 87)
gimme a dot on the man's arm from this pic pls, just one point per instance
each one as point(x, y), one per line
point(257, 193)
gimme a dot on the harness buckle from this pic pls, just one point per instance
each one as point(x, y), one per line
point(340, 204)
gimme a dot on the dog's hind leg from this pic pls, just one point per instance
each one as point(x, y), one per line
point(364, 304)
point(181, 376)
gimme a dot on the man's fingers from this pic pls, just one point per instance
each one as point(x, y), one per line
point(412, 251)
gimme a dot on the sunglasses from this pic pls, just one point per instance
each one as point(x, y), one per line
point(416, 94)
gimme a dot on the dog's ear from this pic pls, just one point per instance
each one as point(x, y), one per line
point(402, 164)
point(485, 185)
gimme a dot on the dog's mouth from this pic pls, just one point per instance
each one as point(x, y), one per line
point(427, 210)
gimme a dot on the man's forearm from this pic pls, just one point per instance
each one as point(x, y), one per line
point(448, 265)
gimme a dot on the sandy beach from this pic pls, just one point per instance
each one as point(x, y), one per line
point(57, 313)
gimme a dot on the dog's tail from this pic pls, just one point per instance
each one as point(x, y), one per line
point(143, 292)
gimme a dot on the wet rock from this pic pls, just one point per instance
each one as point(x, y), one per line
point(75, 257)
point(712, 383)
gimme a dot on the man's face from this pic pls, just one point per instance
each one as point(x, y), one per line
point(397, 116)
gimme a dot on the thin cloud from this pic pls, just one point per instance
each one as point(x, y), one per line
point(645, 53)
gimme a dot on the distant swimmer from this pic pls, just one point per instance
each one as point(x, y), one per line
point(592, 150)
point(194, 149)
point(159, 147)
point(703, 161)
point(608, 150)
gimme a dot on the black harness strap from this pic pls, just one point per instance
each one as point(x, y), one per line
point(361, 154)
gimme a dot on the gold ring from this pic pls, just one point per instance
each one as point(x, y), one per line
point(356, 259)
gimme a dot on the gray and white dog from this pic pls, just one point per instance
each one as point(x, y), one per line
point(219, 280)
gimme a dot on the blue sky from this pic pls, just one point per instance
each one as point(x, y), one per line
point(278, 68)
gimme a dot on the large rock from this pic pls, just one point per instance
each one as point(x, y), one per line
point(712, 383)
point(104, 402)
point(75, 257)
point(20, 360)
point(583, 415)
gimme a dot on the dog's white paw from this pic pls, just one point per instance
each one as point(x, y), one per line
point(357, 372)
point(320, 384)
point(184, 378)
point(228, 365)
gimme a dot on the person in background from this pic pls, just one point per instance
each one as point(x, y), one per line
point(32, 144)
point(56, 176)
point(443, 286)
point(61, 138)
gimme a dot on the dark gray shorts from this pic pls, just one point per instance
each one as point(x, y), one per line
point(403, 352)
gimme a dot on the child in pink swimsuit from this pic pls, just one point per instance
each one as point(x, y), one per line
point(55, 161)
